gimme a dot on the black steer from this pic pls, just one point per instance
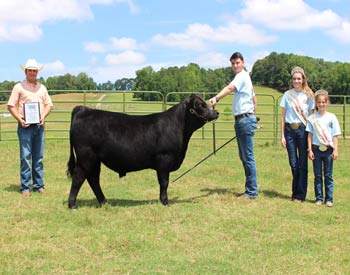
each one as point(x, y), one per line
point(126, 143)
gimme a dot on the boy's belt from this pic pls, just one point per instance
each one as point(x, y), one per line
point(237, 117)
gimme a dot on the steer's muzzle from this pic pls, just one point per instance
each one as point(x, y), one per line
point(213, 114)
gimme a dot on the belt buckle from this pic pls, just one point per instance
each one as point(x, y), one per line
point(294, 126)
point(322, 148)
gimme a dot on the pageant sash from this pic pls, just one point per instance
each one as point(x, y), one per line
point(293, 101)
point(320, 130)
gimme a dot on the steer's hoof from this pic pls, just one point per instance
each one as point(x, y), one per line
point(103, 203)
point(72, 206)
point(165, 202)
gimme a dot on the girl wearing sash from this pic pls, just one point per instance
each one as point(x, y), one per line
point(297, 103)
point(324, 129)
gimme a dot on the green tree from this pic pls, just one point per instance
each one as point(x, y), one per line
point(274, 71)
point(124, 84)
point(145, 81)
point(84, 82)
point(7, 85)
point(107, 86)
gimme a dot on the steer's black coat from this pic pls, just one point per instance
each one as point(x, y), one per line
point(126, 143)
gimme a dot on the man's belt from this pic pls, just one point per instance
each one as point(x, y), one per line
point(237, 117)
point(295, 125)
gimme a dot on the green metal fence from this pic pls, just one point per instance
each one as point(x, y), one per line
point(58, 122)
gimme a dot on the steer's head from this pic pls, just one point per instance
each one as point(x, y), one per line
point(200, 110)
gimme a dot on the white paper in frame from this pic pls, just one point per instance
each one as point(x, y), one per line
point(31, 112)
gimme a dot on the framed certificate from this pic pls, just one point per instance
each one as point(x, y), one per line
point(32, 112)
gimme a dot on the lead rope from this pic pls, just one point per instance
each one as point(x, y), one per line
point(212, 153)
point(208, 156)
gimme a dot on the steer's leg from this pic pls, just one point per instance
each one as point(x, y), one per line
point(163, 179)
point(77, 181)
point(94, 182)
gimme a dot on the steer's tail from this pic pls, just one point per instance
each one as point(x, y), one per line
point(72, 161)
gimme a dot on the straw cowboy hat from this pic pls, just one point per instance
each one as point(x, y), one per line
point(31, 65)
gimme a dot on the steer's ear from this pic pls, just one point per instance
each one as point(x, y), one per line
point(192, 97)
point(187, 100)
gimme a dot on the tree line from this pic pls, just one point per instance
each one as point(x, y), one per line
point(177, 81)
point(272, 71)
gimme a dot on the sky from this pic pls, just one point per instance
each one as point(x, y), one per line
point(112, 39)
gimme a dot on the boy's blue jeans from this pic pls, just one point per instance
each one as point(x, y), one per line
point(31, 146)
point(245, 129)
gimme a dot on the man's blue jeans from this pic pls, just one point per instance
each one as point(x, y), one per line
point(31, 146)
point(296, 141)
point(323, 159)
point(245, 129)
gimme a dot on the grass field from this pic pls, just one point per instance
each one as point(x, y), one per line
point(206, 230)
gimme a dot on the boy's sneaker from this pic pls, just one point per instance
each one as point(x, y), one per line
point(245, 196)
point(318, 202)
point(329, 203)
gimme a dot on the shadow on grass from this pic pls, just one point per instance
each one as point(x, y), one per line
point(275, 194)
point(216, 191)
point(114, 203)
point(132, 203)
point(13, 188)
point(207, 192)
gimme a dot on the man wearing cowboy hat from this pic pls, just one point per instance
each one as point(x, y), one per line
point(30, 131)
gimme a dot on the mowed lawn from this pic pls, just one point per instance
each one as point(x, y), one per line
point(206, 229)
